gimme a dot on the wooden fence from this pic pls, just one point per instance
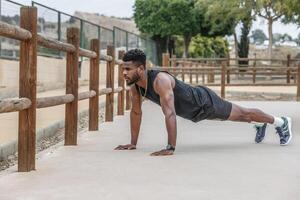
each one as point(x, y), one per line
point(208, 68)
point(27, 103)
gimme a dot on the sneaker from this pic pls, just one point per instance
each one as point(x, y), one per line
point(260, 132)
point(285, 131)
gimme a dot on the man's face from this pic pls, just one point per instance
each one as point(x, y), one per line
point(130, 72)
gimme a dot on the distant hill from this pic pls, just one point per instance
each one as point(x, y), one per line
point(108, 22)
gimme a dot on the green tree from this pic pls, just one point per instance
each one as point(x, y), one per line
point(208, 47)
point(293, 14)
point(286, 37)
point(219, 18)
point(277, 37)
point(272, 10)
point(209, 18)
point(243, 45)
point(161, 19)
point(258, 36)
point(224, 16)
point(188, 21)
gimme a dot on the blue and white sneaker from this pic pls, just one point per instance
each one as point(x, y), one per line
point(260, 132)
point(285, 131)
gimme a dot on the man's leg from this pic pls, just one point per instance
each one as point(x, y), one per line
point(282, 125)
point(241, 114)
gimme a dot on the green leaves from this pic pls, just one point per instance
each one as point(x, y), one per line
point(274, 9)
point(208, 47)
point(258, 36)
point(165, 17)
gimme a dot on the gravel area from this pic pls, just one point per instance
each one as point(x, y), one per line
point(48, 142)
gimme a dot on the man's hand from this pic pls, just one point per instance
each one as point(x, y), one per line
point(126, 147)
point(163, 152)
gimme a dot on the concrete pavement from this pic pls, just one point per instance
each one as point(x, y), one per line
point(214, 160)
point(48, 116)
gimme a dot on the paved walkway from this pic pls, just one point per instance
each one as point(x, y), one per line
point(48, 116)
point(213, 161)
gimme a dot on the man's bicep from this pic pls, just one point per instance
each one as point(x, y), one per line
point(163, 87)
point(165, 91)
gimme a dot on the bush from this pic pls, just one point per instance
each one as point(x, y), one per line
point(208, 47)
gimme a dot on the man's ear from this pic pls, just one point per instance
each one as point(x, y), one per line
point(141, 67)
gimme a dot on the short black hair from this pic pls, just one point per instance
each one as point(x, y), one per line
point(136, 56)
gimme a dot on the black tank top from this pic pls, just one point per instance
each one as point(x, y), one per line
point(190, 102)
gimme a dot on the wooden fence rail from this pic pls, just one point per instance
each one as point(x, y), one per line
point(27, 103)
point(221, 66)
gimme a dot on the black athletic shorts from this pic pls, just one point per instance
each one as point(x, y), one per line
point(216, 107)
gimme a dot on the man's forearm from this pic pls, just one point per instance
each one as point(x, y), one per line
point(135, 124)
point(171, 125)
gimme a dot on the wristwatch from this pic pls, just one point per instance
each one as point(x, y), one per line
point(170, 147)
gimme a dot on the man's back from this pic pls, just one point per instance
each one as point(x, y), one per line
point(191, 103)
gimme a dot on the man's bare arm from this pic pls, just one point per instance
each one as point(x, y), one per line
point(135, 120)
point(163, 86)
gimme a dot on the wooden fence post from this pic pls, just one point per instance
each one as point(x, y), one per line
point(211, 74)
point(228, 68)
point(288, 74)
point(71, 115)
point(121, 84)
point(174, 64)
point(166, 60)
point(191, 72)
point(254, 71)
point(94, 85)
point(183, 71)
point(298, 83)
point(223, 79)
point(27, 88)
point(197, 73)
point(110, 68)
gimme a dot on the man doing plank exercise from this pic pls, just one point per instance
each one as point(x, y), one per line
point(193, 103)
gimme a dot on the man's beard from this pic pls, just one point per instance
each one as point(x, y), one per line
point(134, 79)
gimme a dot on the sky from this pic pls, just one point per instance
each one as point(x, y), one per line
point(123, 8)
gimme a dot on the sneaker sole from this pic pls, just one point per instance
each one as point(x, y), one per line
point(290, 130)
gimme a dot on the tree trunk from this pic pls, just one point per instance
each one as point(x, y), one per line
point(236, 48)
point(167, 44)
point(243, 46)
point(160, 48)
point(187, 41)
point(171, 46)
point(270, 28)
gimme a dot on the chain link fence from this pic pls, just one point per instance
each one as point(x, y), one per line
point(53, 23)
point(9, 13)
